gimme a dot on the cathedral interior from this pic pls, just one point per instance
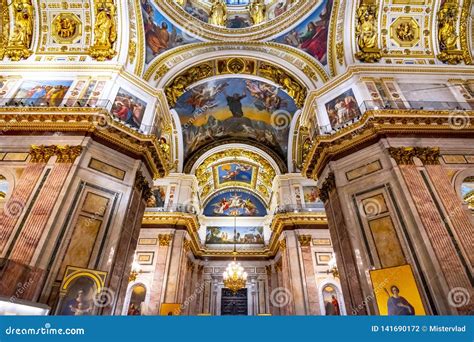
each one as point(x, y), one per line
point(239, 157)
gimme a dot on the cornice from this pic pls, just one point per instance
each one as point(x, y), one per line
point(280, 223)
point(89, 121)
point(375, 124)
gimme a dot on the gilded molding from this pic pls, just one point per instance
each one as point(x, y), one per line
point(165, 239)
point(375, 124)
point(178, 85)
point(305, 240)
point(91, 121)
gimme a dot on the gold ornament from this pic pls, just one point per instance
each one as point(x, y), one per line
point(181, 3)
point(218, 14)
point(165, 239)
point(105, 30)
point(305, 240)
point(366, 32)
point(257, 11)
point(20, 36)
point(340, 52)
point(447, 36)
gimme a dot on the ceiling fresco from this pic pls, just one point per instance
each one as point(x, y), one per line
point(311, 35)
point(251, 110)
point(235, 202)
point(160, 33)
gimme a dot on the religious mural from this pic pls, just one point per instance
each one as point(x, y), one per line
point(311, 35)
point(235, 173)
point(235, 203)
point(160, 34)
point(128, 108)
point(243, 236)
point(234, 108)
point(396, 292)
point(331, 302)
point(343, 108)
point(79, 298)
point(158, 197)
point(44, 93)
point(310, 195)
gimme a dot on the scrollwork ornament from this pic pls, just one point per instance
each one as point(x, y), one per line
point(366, 32)
point(105, 30)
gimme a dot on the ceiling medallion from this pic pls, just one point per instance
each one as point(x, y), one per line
point(66, 28)
point(405, 31)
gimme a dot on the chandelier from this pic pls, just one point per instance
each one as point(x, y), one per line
point(235, 278)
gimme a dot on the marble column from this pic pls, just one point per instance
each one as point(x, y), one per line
point(172, 286)
point(343, 248)
point(454, 268)
point(13, 209)
point(159, 273)
point(310, 277)
point(127, 244)
point(19, 267)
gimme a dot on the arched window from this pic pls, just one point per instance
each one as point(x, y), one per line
point(137, 299)
point(4, 188)
point(467, 192)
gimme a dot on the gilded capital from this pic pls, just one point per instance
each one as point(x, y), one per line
point(328, 185)
point(402, 155)
point(282, 245)
point(279, 265)
point(165, 239)
point(187, 245)
point(428, 155)
point(305, 240)
point(142, 185)
point(41, 154)
point(67, 154)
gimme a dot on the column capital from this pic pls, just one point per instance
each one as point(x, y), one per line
point(405, 155)
point(41, 153)
point(67, 154)
point(305, 240)
point(282, 245)
point(328, 185)
point(187, 245)
point(165, 239)
point(142, 185)
point(402, 155)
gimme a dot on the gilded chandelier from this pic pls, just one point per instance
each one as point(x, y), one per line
point(235, 278)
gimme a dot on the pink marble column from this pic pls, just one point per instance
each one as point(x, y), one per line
point(16, 204)
point(35, 224)
point(440, 240)
point(158, 276)
point(310, 277)
point(286, 279)
point(456, 214)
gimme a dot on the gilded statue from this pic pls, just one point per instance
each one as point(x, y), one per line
point(366, 33)
point(21, 35)
point(218, 14)
point(257, 10)
point(105, 30)
point(447, 36)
